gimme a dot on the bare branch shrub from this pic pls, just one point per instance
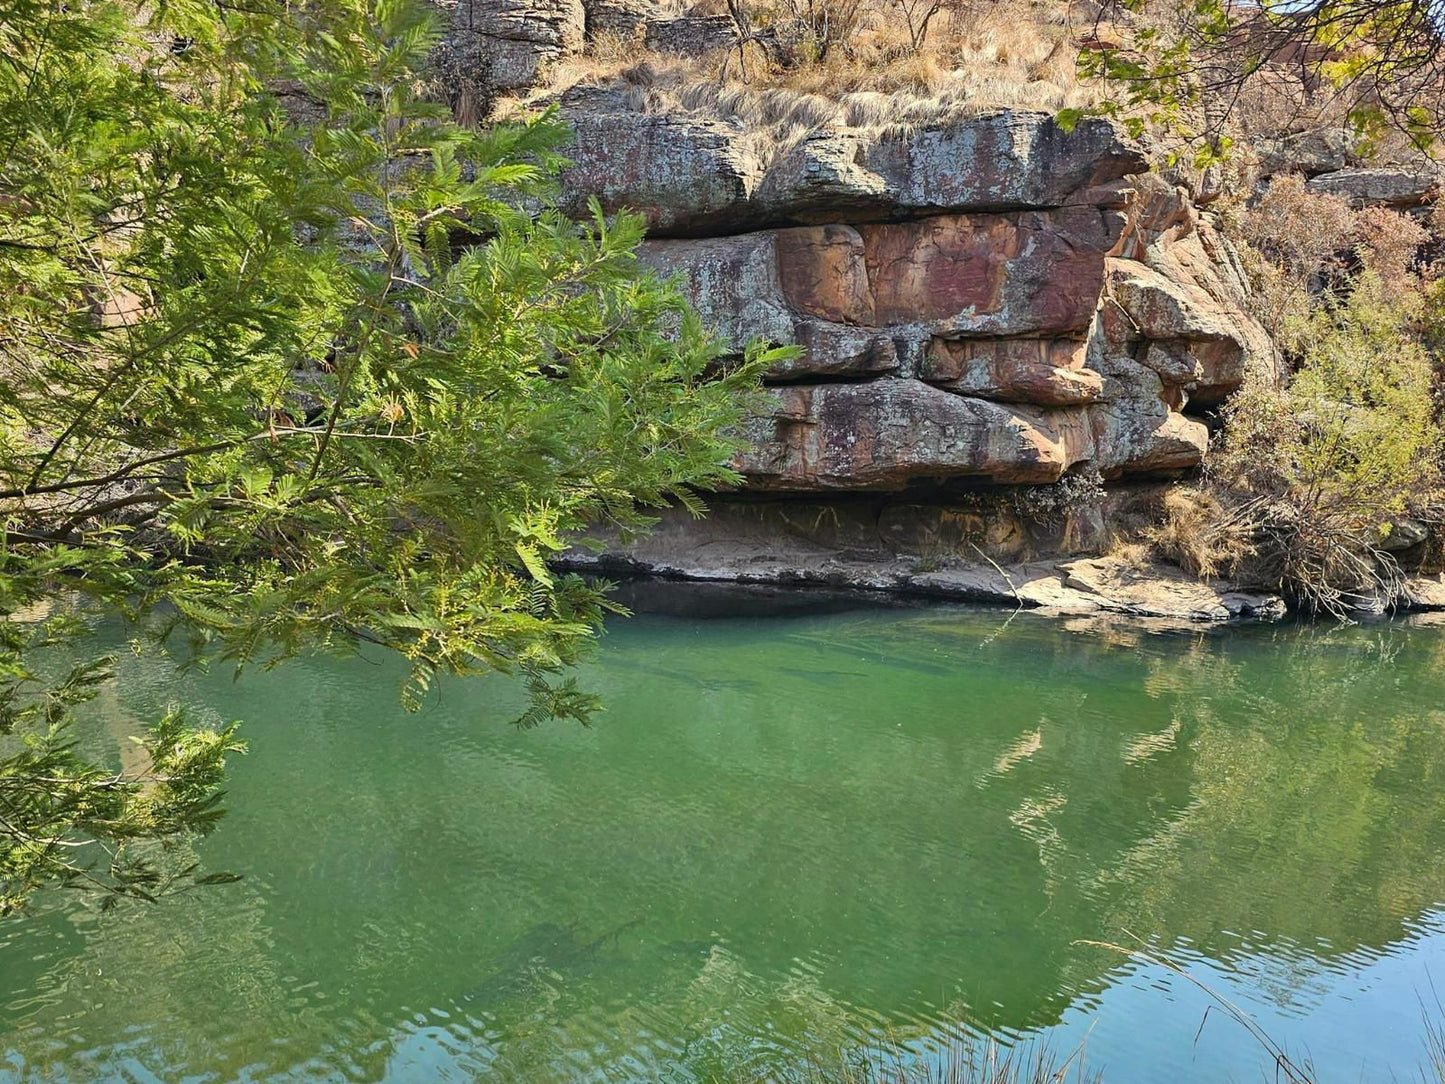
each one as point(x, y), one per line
point(820, 26)
point(1300, 231)
point(918, 14)
point(1388, 243)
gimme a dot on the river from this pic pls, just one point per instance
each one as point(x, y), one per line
point(786, 836)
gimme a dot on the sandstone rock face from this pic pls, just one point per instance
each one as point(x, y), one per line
point(513, 39)
point(695, 175)
point(982, 348)
point(684, 169)
point(888, 434)
point(985, 304)
point(690, 35)
point(881, 285)
point(1049, 372)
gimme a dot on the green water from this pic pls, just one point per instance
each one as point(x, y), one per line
point(787, 835)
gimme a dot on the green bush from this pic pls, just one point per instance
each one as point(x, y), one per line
point(1320, 472)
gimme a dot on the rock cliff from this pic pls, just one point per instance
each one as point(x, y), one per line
point(1011, 334)
point(987, 299)
point(985, 303)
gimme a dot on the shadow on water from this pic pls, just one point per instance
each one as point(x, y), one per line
point(698, 600)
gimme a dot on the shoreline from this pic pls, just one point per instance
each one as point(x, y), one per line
point(1070, 588)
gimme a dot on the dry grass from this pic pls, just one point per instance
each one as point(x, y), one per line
point(823, 62)
point(978, 55)
point(963, 1061)
point(1199, 535)
point(1130, 554)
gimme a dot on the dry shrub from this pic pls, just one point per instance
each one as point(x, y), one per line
point(1388, 243)
point(1291, 240)
point(1300, 231)
point(608, 56)
point(1298, 243)
point(1200, 535)
point(818, 27)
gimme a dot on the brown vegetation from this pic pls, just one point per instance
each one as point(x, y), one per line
point(958, 54)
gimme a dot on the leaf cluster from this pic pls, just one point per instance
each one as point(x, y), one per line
point(294, 360)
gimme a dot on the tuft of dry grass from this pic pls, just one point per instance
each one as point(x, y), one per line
point(1199, 535)
point(1133, 555)
point(965, 1060)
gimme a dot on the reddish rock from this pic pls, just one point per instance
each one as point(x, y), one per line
point(884, 434)
point(1004, 274)
point(855, 296)
point(823, 272)
point(1050, 372)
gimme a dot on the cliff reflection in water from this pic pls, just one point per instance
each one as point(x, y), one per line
point(786, 835)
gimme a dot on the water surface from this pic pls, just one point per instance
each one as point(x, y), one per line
point(787, 835)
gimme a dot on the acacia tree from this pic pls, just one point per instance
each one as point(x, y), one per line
point(254, 386)
point(1379, 62)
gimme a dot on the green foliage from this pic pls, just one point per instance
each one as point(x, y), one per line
point(1184, 66)
point(1321, 470)
point(296, 361)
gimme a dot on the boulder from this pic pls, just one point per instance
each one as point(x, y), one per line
point(1425, 592)
point(1180, 320)
point(1049, 372)
point(1312, 152)
point(515, 38)
point(623, 18)
point(691, 35)
point(1140, 434)
point(1382, 186)
point(677, 170)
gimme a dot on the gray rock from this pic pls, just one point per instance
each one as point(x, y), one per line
point(887, 434)
point(1404, 534)
point(1318, 150)
point(624, 18)
point(937, 555)
point(691, 35)
point(515, 38)
point(695, 175)
point(1384, 186)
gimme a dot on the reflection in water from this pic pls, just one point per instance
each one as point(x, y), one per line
point(785, 836)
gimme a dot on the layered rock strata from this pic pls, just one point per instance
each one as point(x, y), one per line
point(1011, 335)
point(988, 302)
point(987, 308)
